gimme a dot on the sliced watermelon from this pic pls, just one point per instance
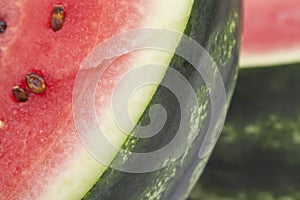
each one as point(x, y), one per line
point(41, 154)
point(215, 25)
point(271, 32)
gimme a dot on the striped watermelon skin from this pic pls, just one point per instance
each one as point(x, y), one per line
point(216, 26)
point(262, 129)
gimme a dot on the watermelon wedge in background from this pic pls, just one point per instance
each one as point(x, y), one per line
point(271, 32)
point(257, 154)
point(42, 46)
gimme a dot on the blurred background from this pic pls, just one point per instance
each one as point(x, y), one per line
point(258, 154)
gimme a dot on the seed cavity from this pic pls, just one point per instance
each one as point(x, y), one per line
point(3, 26)
point(57, 18)
point(20, 94)
point(35, 83)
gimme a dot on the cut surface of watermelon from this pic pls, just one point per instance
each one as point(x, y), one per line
point(41, 155)
point(271, 32)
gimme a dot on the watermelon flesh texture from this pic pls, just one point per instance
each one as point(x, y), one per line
point(271, 32)
point(41, 155)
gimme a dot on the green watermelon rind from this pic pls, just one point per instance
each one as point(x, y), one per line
point(215, 25)
point(265, 128)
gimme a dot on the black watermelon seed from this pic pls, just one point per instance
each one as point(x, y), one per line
point(35, 83)
point(57, 18)
point(20, 94)
point(3, 26)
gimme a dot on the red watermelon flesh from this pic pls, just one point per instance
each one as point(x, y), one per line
point(36, 130)
point(271, 32)
point(39, 146)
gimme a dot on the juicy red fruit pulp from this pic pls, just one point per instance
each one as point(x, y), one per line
point(271, 32)
point(36, 136)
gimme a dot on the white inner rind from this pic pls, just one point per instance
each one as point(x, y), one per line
point(278, 57)
point(82, 171)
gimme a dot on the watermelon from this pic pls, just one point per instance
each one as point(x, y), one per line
point(271, 32)
point(259, 145)
point(44, 48)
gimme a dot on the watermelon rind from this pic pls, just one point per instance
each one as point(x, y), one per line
point(216, 26)
point(84, 170)
point(261, 135)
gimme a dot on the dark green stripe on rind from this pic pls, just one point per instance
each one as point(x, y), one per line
point(215, 25)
